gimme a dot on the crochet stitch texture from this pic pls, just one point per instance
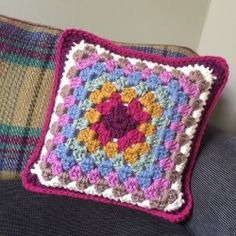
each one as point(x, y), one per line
point(29, 50)
point(123, 127)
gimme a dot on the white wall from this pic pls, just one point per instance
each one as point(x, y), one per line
point(219, 38)
point(143, 21)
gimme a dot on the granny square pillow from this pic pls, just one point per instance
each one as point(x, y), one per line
point(124, 127)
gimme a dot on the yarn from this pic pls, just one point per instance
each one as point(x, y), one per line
point(119, 119)
point(110, 114)
point(29, 50)
point(135, 142)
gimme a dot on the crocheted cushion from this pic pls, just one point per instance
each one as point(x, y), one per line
point(124, 127)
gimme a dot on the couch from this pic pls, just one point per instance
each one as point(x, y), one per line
point(26, 73)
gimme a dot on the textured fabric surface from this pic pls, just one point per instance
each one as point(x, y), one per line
point(26, 213)
point(27, 63)
point(26, 74)
point(214, 186)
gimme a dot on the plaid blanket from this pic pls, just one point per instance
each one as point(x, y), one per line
point(26, 74)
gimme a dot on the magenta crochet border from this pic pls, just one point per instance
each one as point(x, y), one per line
point(220, 69)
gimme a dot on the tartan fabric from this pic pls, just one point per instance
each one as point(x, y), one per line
point(26, 74)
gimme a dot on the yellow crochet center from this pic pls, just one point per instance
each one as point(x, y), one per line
point(154, 109)
point(128, 95)
point(132, 153)
point(147, 129)
point(107, 89)
point(96, 97)
point(111, 149)
point(92, 115)
point(86, 135)
point(143, 148)
point(147, 99)
point(130, 156)
point(92, 145)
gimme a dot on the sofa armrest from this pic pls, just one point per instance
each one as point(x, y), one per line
point(214, 186)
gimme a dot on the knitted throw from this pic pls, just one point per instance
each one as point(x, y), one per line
point(124, 127)
point(27, 56)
